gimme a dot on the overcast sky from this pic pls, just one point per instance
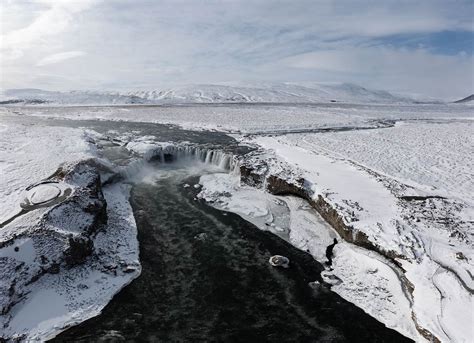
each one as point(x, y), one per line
point(423, 46)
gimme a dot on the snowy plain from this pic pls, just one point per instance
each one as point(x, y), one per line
point(363, 159)
point(257, 118)
point(31, 153)
point(437, 154)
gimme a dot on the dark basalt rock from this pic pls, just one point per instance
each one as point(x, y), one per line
point(250, 177)
point(79, 249)
point(420, 198)
point(329, 251)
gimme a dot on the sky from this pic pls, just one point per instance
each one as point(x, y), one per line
point(420, 47)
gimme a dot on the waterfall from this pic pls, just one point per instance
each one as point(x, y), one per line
point(175, 153)
point(128, 171)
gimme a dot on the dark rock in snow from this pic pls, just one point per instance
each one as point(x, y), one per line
point(329, 252)
point(79, 249)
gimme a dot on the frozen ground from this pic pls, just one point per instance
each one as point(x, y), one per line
point(432, 156)
point(401, 174)
point(57, 301)
point(256, 118)
point(63, 295)
point(30, 153)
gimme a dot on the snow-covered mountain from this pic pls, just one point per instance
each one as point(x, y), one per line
point(283, 92)
point(469, 99)
point(266, 93)
point(31, 96)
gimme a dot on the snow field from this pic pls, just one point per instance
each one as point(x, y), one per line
point(29, 154)
point(247, 118)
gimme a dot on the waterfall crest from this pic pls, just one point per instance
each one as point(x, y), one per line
point(184, 153)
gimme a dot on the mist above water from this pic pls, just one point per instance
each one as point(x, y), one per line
point(178, 162)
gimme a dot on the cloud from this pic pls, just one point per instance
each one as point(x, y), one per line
point(147, 43)
point(54, 17)
point(59, 57)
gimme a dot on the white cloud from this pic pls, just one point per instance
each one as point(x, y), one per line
point(55, 18)
point(145, 43)
point(59, 57)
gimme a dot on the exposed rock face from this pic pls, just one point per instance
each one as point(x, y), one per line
point(251, 176)
point(329, 252)
point(424, 332)
point(279, 186)
point(79, 249)
point(58, 235)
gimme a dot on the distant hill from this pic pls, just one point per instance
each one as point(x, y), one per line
point(263, 92)
point(32, 96)
point(466, 99)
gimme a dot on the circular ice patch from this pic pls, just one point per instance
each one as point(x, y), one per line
point(44, 193)
point(330, 278)
point(279, 261)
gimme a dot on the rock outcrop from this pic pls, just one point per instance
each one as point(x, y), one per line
point(53, 234)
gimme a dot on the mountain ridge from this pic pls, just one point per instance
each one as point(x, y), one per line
point(469, 98)
point(209, 93)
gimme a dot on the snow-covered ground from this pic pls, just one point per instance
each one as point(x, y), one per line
point(49, 295)
point(400, 174)
point(58, 301)
point(256, 118)
point(30, 153)
point(432, 156)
